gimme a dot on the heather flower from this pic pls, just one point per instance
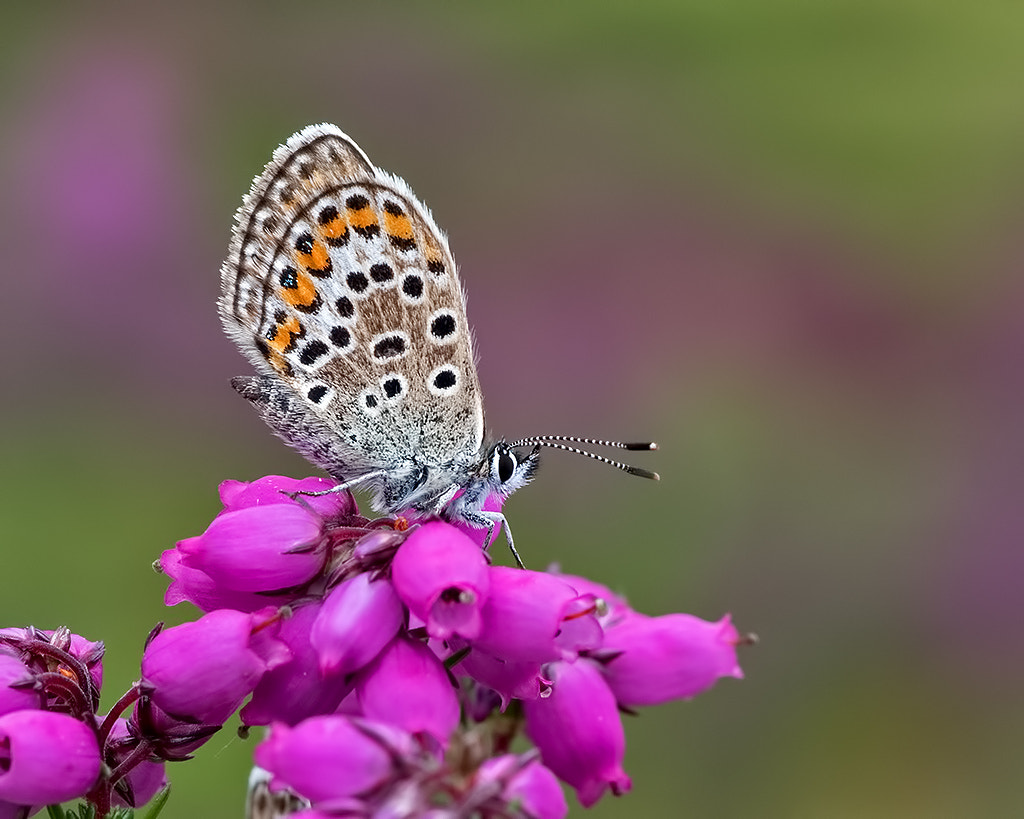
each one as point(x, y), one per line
point(202, 671)
point(654, 660)
point(526, 785)
point(508, 679)
point(578, 731)
point(46, 757)
point(442, 576)
point(330, 757)
point(357, 619)
point(408, 687)
point(297, 688)
point(273, 489)
point(190, 585)
point(535, 617)
point(259, 548)
point(349, 657)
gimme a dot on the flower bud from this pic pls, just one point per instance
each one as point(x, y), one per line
point(193, 586)
point(143, 781)
point(358, 618)
point(510, 680)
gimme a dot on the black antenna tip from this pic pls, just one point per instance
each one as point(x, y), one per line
point(643, 473)
point(641, 446)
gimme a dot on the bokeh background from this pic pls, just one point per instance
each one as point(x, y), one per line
point(782, 239)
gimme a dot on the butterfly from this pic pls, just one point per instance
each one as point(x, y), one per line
point(342, 291)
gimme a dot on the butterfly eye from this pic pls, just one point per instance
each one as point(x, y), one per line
point(506, 465)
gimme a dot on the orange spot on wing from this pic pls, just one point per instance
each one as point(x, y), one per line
point(362, 218)
point(316, 259)
point(397, 224)
point(283, 334)
point(303, 295)
point(334, 229)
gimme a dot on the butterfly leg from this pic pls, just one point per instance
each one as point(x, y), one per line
point(493, 520)
point(341, 487)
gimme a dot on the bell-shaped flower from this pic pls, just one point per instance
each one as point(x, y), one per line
point(259, 548)
point(676, 656)
point(46, 757)
point(330, 757)
point(578, 731)
point(298, 688)
point(407, 686)
point(535, 617)
point(526, 784)
point(509, 680)
point(194, 586)
point(611, 607)
point(279, 489)
point(201, 671)
point(358, 618)
point(442, 576)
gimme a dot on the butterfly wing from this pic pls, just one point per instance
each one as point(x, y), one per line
point(342, 291)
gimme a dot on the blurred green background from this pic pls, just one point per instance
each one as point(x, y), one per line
point(782, 239)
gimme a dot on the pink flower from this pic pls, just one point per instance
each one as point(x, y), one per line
point(534, 617)
point(278, 489)
point(259, 548)
point(297, 688)
point(330, 757)
point(202, 671)
point(441, 575)
point(578, 731)
point(408, 687)
point(357, 620)
point(12, 670)
point(526, 784)
point(659, 659)
point(46, 757)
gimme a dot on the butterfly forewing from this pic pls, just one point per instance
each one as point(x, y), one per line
point(339, 283)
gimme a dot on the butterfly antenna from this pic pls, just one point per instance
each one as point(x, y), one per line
point(565, 443)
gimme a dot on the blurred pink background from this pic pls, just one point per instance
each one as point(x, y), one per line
point(782, 240)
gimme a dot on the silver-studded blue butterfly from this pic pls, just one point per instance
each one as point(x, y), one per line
point(342, 291)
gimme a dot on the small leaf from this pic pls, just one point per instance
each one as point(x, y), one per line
point(156, 804)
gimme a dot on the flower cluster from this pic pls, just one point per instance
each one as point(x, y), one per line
point(394, 664)
point(53, 745)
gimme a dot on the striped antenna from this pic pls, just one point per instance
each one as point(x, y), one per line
point(564, 443)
